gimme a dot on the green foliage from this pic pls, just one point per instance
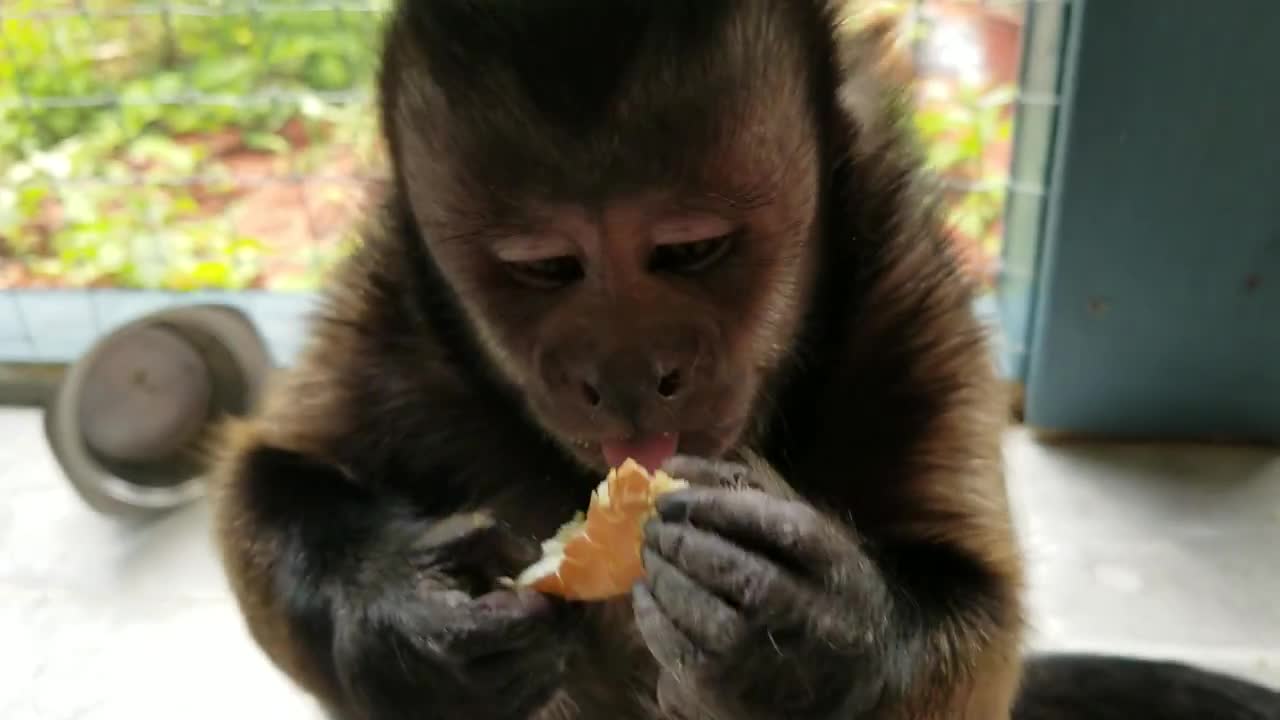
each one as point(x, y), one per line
point(92, 108)
point(958, 136)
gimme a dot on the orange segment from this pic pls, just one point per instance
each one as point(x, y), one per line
point(596, 556)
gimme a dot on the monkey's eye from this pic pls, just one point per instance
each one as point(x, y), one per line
point(552, 272)
point(691, 257)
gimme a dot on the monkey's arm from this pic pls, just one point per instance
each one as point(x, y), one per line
point(372, 606)
point(954, 630)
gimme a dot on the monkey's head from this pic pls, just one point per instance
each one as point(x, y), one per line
point(624, 197)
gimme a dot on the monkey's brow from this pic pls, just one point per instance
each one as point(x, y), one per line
point(739, 197)
point(490, 220)
point(487, 232)
point(504, 218)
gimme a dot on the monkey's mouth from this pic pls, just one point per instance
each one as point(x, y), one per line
point(650, 451)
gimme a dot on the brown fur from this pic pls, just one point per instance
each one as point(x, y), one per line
point(869, 382)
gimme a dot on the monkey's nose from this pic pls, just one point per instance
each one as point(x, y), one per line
point(625, 386)
point(670, 384)
point(625, 392)
point(590, 394)
point(667, 386)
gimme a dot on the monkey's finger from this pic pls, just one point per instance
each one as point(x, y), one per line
point(455, 539)
point(762, 476)
point(791, 532)
point(759, 588)
point(497, 622)
point(475, 539)
point(700, 472)
point(453, 529)
point(518, 609)
point(704, 618)
point(673, 650)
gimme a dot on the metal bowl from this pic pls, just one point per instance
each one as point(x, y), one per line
point(129, 419)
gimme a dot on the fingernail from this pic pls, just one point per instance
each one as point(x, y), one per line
point(534, 601)
point(673, 507)
point(640, 597)
point(521, 600)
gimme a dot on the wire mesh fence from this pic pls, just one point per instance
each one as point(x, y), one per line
point(152, 152)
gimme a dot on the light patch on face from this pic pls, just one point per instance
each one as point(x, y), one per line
point(691, 229)
point(431, 193)
point(792, 224)
point(498, 351)
point(776, 125)
point(786, 290)
point(531, 248)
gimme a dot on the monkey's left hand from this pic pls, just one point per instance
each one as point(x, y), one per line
point(758, 606)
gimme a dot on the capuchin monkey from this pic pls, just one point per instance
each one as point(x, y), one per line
point(695, 233)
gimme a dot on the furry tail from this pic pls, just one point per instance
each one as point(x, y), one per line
point(1098, 687)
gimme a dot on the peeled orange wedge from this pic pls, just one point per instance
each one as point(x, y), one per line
point(596, 556)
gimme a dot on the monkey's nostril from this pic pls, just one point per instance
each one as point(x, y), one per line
point(590, 394)
point(669, 385)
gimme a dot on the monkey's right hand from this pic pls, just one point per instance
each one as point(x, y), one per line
point(443, 642)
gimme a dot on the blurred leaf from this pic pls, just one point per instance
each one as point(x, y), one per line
point(327, 72)
point(164, 152)
point(245, 244)
point(266, 142)
point(185, 204)
point(222, 73)
point(211, 274)
point(944, 156)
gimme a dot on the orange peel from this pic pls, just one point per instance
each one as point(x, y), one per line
point(596, 555)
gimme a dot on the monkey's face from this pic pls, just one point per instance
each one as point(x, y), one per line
point(633, 251)
point(641, 329)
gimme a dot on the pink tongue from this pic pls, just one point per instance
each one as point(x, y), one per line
point(651, 452)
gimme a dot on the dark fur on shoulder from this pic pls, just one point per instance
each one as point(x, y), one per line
point(878, 405)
